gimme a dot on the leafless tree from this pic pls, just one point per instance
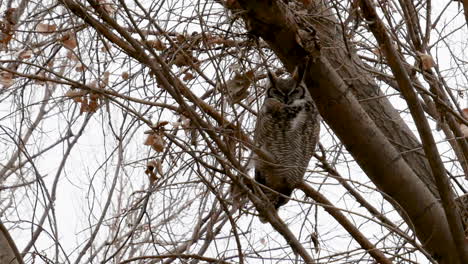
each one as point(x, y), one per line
point(126, 131)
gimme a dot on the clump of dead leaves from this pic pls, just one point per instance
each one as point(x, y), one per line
point(237, 87)
point(7, 27)
point(155, 137)
point(89, 100)
point(154, 167)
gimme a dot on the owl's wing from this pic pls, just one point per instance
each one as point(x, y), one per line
point(260, 131)
point(315, 117)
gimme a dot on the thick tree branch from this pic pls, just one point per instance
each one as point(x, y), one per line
point(465, 9)
point(8, 251)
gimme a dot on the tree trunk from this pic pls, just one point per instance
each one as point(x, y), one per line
point(8, 251)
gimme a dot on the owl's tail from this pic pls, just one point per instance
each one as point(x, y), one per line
point(277, 200)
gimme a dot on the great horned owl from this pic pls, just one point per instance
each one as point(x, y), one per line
point(287, 128)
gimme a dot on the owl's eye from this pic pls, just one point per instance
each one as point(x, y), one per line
point(275, 93)
point(297, 93)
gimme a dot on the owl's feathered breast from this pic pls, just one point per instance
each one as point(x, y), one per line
point(287, 130)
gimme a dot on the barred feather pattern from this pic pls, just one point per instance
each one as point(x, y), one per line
point(288, 127)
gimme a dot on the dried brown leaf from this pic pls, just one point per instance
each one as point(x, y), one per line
point(237, 87)
point(149, 140)
point(72, 56)
point(156, 163)
point(181, 60)
point(11, 16)
point(25, 54)
point(188, 76)
point(93, 105)
point(6, 79)
point(160, 125)
point(157, 44)
point(105, 80)
point(5, 38)
point(250, 75)
point(107, 6)
point(427, 61)
point(80, 68)
point(315, 241)
point(215, 40)
point(151, 175)
point(46, 28)
point(95, 96)
point(465, 113)
point(159, 143)
point(76, 94)
point(180, 38)
point(69, 41)
point(155, 141)
point(150, 170)
point(125, 75)
point(84, 105)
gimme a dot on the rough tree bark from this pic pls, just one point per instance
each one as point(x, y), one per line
point(367, 130)
point(465, 9)
point(8, 251)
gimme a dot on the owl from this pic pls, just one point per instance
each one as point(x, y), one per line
point(287, 128)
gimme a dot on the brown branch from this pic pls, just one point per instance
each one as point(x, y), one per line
point(8, 251)
point(465, 9)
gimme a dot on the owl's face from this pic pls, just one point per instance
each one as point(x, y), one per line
point(286, 91)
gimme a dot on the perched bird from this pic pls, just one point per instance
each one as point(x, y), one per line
point(287, 128)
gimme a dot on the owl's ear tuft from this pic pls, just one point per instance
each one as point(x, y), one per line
point(298, 75)
point(300, 71)
point(272, 78)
